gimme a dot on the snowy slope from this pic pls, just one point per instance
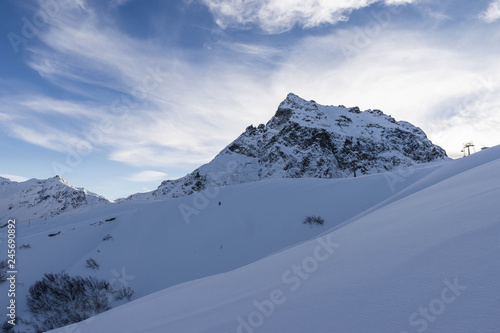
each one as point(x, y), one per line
point(158, 244)
point(425, 260)
point(305, 139)
point(37, 198)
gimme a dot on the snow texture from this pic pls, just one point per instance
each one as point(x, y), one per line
point(424, 258)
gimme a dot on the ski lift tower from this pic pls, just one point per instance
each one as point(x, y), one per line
point(466, 149)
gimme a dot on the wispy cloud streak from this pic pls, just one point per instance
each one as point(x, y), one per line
point(278, 16)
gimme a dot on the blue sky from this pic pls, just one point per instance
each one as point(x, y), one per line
point(118, 95)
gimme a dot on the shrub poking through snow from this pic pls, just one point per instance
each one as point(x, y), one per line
point(59, 299)
point(124, 293)
point(92, 264)
point(107, 237)
point(314, 220)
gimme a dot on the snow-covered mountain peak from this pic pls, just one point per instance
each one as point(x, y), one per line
point(37, 198)
point(59, 179)
point(293, 101)
point(295, 109)
point(306, 139)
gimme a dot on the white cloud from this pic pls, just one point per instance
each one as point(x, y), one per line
point(256, 51)
point(147, 176)
point(45, 105)
point(150, 155)
point(47, 137)
point(492, 13)
point(277, 16)
point(190, 111)
point(117, 3)
point(58, 125)
point(15, 178)
point(199, 108)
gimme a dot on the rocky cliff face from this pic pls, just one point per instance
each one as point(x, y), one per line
point(42, 198)
point(305, 139)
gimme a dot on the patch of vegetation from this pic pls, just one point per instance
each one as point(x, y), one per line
point(92, 264)
point(318, 220)
point(7, 328)
point(59, 300)
point(124, 293)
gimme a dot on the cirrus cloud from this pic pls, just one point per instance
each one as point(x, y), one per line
point(278, 16)
point(15, 178)
point(147, 176)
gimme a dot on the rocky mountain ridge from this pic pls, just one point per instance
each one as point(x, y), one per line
point(306, 139)
point(37, 198)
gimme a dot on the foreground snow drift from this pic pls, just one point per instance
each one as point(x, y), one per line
point(150, 246)
point(425, 260)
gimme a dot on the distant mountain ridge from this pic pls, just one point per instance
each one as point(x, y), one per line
point(306, 139)
point(36, 198)
point(303, 139)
